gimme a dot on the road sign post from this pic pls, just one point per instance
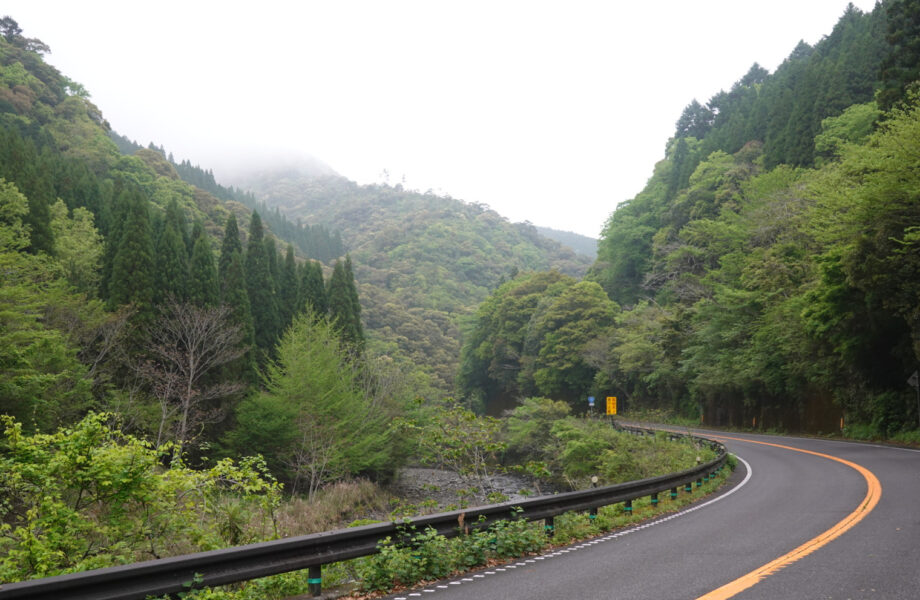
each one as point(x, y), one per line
point(914, 382)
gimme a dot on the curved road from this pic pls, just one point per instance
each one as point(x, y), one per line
point(781, 500)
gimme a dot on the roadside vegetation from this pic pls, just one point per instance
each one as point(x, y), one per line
point(91, 496)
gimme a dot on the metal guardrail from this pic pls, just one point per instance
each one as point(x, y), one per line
point(164, 576)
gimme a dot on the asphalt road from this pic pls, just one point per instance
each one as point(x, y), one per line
point(780, 500)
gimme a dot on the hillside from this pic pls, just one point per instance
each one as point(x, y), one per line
point(581, 244)
point(422, 262)
point(767, 275)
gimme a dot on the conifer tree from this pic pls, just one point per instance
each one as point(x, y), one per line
point(172, 258)
point(271, 254)
point(260, 287)
point(117, 214)
point(133, 266)
point(176, 216)
point(231, 243)
point(39, 222)
point(234, 295)
point(287, 289)
point(202, 280)
point(902, 65)
point(23, 164)
point(312, 290)
point(357, 328)
point(343, 310)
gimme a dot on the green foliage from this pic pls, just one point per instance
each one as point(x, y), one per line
point(882, 259)
point(234, 295)
point(260, 286)
point(344, 308)
point(172, 269)
point(534, 336)
point(569, 450)
point(202, 288)
point(77, 246)
point(528, 427)
point(230, 244)
point(42, 383)
point(311, 292)
point(134, 266)
point(493, 353)
point(853, 126)
point(423, 262)
point(558, 336)
point(90, 496)
point(315, 422)
point(899, 68)
point(456, 439)
point(428, 555)
point(775, 295)
point(288, 289)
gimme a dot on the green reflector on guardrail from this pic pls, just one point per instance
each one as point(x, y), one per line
point(311, 580)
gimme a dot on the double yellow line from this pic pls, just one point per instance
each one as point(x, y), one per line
point(873, 494)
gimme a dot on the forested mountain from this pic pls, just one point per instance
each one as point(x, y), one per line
point(581, 244)
point(112, 261)
point(422, 262)
point(169, 356)
point(768, 273)
point(315, 241)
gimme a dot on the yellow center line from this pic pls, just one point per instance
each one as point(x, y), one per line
point(873, 494)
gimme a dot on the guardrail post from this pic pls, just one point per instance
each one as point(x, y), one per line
point(315, 580)
point(655, 499)
point(627, 506)
point(592, 514)
point(548, 526)
point(673, 493)
point(699, 482)
point(689, 487)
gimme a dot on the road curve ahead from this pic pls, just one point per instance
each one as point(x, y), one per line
point(803, 519)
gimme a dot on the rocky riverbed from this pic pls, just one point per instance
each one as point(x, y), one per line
point(416, 485)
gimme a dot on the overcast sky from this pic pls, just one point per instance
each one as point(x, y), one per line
point(550, 112)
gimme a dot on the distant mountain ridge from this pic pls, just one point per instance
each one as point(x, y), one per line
point(422, 262)
point(581, 244)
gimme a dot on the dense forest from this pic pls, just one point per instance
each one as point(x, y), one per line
point(423, 262)
point(175, 352)
point(118, 252)
point(768, 273)
point(127, 289)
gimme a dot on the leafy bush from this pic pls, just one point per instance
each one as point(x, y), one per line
point(570, 450)
point(90, 496)
point(429, 555)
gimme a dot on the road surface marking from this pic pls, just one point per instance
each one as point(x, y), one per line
point(873, 494)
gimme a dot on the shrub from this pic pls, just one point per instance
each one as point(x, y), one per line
point(90, 496)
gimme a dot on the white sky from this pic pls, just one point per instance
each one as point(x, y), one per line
point(551, 112)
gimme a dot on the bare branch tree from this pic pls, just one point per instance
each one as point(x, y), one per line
point(186, 343)
point(313, 460)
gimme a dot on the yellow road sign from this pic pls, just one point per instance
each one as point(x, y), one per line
point(611, 405)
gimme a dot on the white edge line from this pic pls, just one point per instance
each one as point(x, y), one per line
point(695, 507)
